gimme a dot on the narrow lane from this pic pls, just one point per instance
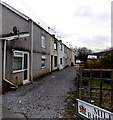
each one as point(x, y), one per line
point(43, 98)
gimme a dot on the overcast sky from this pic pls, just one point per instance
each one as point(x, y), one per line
point(81, 23)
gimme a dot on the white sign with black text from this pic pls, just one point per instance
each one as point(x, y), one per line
point(93, 112)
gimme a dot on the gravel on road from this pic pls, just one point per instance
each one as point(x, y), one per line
point(43, 98)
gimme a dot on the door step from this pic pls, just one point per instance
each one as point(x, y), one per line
point(13, 88)
point(26, 82)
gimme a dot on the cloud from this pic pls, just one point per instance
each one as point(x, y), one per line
point(102, 20)
point(96, 42)
point(81, 23)
point(83, 11)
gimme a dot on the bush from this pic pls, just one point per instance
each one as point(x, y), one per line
point(93, 64)
point(107, 60)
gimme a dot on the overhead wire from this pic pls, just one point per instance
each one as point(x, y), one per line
point(39, 21)
point(34, 16)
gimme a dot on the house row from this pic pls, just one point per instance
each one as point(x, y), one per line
point(27, 50)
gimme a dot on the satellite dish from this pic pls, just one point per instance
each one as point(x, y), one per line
point(15, 30)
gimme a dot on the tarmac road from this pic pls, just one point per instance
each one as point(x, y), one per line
point(43, 98)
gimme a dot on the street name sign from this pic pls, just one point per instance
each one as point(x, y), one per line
point(92, 112)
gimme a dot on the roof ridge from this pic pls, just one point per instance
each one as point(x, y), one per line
point(14, 10)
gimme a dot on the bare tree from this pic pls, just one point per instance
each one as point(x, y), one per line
point(82, 53)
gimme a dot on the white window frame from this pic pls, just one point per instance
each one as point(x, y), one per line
point(60, 46)
point(43, 41)
point(55, 46)
point(20, 56)
point(43, 57)
point(16, 55)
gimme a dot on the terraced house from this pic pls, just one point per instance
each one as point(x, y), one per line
point(60, 55)
point(16, 49)
point(54, 53)
point(27, 51)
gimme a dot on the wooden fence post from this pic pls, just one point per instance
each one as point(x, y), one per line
point(101, 88)
point(112, 91)
point(91, 72)
point(80, 83)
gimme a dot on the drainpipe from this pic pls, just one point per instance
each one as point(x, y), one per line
point(4, 59)
point(31, 50)
point(4, 67)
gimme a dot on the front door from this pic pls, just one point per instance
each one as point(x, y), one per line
point(51, 62)
point(26, 67)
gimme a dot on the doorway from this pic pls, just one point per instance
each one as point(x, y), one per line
point(51, 62)
point(25, 67)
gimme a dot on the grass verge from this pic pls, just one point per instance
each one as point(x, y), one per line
point(70, 104)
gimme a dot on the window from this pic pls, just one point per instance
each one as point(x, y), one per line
point(17, 65)
point(43, 64)
point(61, 61)
point(43, 39)
point(55, 45)
point(55, 61)
point(18, 61)
point(60, 46)
point(65, 49)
